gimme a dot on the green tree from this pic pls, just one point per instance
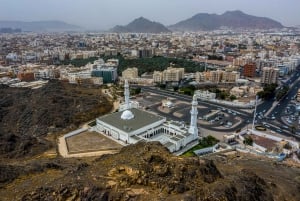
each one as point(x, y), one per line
point(268, 91)
point(175, 88)
point(248, 141)
point(232, 97)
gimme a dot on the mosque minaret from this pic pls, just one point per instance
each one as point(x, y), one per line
point(126, 95)
point(194, 112)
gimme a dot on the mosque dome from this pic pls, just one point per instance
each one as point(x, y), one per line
point(127, 115)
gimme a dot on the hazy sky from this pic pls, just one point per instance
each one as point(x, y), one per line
point(104, 14)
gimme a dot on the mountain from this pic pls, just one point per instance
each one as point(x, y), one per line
point(39, 26)
point(231, 19)
point(141, 25)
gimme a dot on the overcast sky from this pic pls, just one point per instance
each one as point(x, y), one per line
point(104, 14)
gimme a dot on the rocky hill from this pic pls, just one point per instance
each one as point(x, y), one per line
point(27, 116)
point(141, 25)
point(147, 171)
point(231, 19)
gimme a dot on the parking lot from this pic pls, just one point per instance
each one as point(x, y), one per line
point(180, 111)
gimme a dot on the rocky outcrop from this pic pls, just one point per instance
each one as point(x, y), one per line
point(26, 115)
point(147, 171)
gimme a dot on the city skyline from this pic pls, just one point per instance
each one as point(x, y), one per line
point(93, 14)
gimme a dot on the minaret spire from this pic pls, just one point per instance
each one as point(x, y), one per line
point(194, 112)
point(126, 94)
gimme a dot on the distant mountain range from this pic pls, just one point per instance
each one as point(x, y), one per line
point(141, 25)
point(202, 22)
point(231, 19)
point(39, 26)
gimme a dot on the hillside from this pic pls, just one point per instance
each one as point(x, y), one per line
point(27, 116)
point(39, 26)
point(144, 171)
point(149, 172)
point(230, 19)
point(141, 25)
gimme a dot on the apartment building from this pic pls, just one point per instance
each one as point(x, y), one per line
point(249, 70)
point(215, 76)
point(157, 77)
point(173, 74)
point(169, 75)
point(269, 75)
point(230, 77)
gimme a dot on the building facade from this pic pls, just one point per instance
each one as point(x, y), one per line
point(249, 70)
point(173, 74)
point(269, 75)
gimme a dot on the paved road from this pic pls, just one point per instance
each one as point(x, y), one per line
point(186, 117)
point(277, 108)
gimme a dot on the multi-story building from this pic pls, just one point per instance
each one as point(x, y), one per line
point(200, 77)
point(173, 74)
point(145, 53)
point(109, 74)
point(169, 75)
point(249, 70)
point(269, 75)
point(130, 73)
point(215, 76)
point(108, 71)
point(230, 77)
point(157, 77)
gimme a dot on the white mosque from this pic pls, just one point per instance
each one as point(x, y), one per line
point(131, 125)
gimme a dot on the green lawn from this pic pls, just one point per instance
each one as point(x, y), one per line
point(203, 143)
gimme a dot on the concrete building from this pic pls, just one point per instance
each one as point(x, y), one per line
point(173, 74)
point(230, 77)
point(215, 76)
point(157, 77)
point(238, 91)
point(133, 125)
point(249, 70)
point(130, 73)
point(202, 76)
point(109, 74)
point(269, 75)
point(145, 53)
point(205, 95)
point(199, 77)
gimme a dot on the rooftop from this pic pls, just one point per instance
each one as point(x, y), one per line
point(141, 119)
